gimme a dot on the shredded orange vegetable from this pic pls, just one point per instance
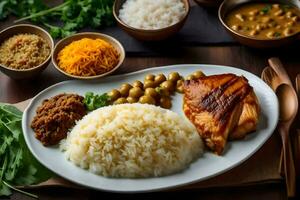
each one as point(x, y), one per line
point(88, 57)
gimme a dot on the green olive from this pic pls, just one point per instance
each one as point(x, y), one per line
point(151, 92)
point(159, 79)
point(190, 77)
point(125, 89)
point(149, 84)
point(126, 85)
point(149, 77)
point(138, 84)
point(120, 100)
point(174, 76)
point(147, 99)
point(179, 86)
point(114, 94)
point(165, 102)
point(132, 99)
point(162, 91)
point(168, 85)
point(135, 92)
point(179, 83)
point(198, 74)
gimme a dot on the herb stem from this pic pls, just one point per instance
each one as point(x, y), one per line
point(43, 12)
point(21, 191)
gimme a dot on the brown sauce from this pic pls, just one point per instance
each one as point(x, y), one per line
point(264, 21)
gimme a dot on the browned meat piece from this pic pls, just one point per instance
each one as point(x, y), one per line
point(56, 116)
point(248, 119)
point(214, 104)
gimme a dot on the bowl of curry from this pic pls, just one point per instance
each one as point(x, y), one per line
point(261, 24)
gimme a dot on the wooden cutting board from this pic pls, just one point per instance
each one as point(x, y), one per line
point(261, 168)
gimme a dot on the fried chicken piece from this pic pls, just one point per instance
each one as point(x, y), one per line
point(214, 104)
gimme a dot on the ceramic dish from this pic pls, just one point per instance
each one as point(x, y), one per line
point(64, 42)
point(26, 28)
point(205, 167)
point(149, 35)
point(228, 5)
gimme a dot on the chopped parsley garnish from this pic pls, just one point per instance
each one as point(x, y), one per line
point(266, 9)
point(93, 101)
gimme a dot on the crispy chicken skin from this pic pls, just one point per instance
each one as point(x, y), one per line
point(218, 106)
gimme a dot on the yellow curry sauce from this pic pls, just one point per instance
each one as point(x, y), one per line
point(264, 21)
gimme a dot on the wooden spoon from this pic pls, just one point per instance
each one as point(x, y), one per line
point(297, 140)
point(277, 66)
point(269, 76)
point(288, 107)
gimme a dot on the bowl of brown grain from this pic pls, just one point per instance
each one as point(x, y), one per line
point(25, 51)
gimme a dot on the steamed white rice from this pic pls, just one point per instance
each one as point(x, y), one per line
point(152, 14)
point(133, 140)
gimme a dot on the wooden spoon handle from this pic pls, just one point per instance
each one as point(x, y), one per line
point(277, 66)
point(296, 145)
point(281, 166)
point(289, 167)
point(297, 152)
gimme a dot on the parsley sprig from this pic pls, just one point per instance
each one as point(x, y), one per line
point(73, 14)
point(93, 101)
point(266, 9)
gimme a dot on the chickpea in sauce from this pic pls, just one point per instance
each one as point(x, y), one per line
point(264, 21)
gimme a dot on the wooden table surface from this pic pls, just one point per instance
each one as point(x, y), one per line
point(252, 60)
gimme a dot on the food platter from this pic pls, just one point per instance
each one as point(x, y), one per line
point(205, 167)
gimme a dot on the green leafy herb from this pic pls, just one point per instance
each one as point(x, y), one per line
point(17, 165)
point(21, 8)
point(277, 34)
point(74, 14)
point(266, 9)
point(92, 101)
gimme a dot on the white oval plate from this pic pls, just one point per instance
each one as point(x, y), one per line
point(205, 167)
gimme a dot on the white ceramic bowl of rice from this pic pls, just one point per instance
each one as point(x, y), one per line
point(132, 141)
point(151, 15)
point(151, 19)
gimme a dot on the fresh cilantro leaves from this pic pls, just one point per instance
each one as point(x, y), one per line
point(266, 9)
point(74, 14)
point(93, 101)
point(21, 8)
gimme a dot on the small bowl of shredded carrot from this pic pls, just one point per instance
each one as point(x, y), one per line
point(88, 55)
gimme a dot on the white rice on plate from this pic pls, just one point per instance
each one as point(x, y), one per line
point(133, 140)
point(152, 14)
